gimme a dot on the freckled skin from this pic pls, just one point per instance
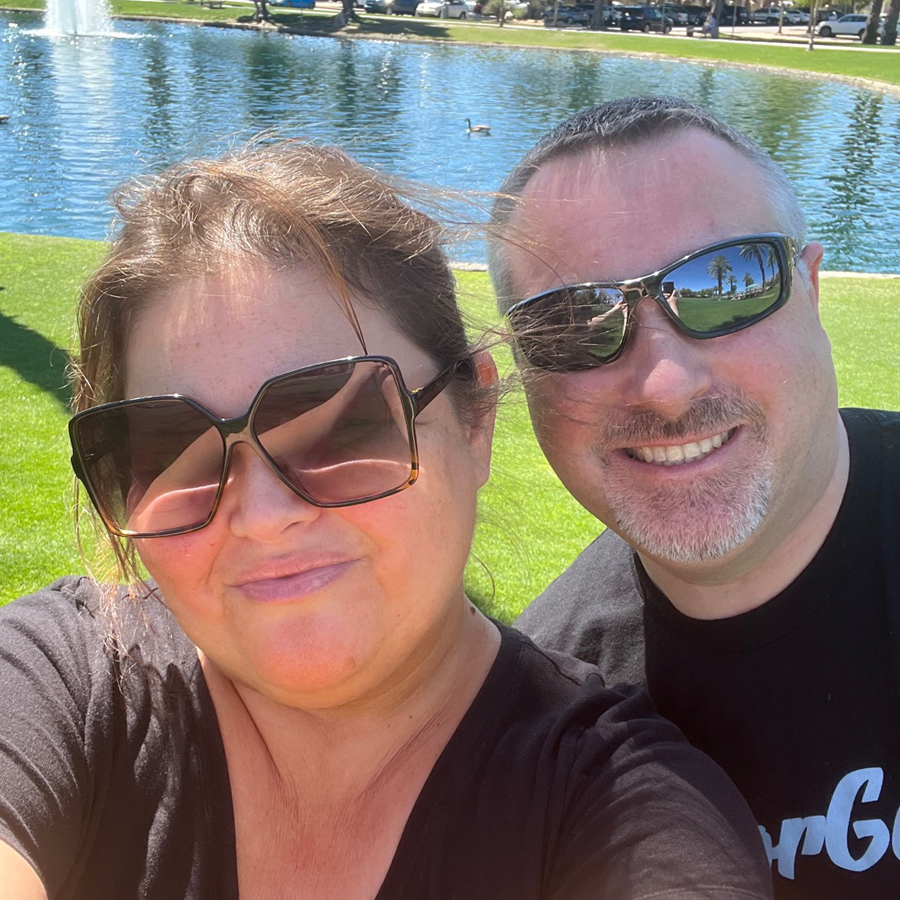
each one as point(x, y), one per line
point(626, 213)
point(399, 595)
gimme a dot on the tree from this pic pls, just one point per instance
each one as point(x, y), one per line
point(262, 13)
point(752, 251)
point(716, 10)
point(598, 16)
point(890, 26)
point(870, 36)
point(718, 268)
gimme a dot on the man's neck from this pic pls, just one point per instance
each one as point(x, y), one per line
point(753, 574)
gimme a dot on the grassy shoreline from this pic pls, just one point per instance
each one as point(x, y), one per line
point(870, 66)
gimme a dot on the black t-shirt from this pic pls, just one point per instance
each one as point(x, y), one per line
point(798, 699)
point(114, 782)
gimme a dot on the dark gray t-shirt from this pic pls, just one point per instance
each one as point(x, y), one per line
point(114, 782)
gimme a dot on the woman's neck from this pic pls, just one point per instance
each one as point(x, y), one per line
point(344, 750)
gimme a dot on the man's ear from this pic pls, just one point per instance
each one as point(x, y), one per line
point(481, 426)
point(812, 260)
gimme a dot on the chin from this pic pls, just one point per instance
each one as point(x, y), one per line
point(699, 523)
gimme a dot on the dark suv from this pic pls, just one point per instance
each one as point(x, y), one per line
point(644, 18)
point(737, 15)
point(696, 14)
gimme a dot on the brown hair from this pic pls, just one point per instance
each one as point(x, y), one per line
point(279, 205)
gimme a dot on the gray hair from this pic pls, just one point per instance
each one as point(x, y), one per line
point(627, 123)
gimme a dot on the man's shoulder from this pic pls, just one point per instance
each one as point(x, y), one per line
point(868, 424)
point(594, 611)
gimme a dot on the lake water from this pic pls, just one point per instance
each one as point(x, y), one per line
point(90, 112)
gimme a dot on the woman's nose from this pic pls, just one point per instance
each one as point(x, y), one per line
point(258, 504)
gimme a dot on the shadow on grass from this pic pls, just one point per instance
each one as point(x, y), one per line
point(35, 359)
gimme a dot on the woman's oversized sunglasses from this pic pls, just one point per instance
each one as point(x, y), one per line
point(337, 434)
point(714, 291)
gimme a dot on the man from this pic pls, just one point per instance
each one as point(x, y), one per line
point(750, 573)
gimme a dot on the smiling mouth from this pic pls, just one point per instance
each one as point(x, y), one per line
point(679, 454)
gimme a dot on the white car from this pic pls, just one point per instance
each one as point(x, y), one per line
point(853, 25)
point(771, 15)
point(456, 9)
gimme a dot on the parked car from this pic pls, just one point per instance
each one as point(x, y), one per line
point(853, 25)
point(644, 18)
point(678, 14)
point(294, 4)
point(771, 15)
point(378, 6)
point(456, 9)
point(735, 15)
point(826, 15)
point(696, 14)
point(402, 7)
point(567, 15)
point(609, 13)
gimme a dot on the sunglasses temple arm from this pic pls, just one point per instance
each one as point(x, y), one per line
point(422, 397)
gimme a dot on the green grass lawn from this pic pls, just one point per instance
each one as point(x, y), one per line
point(529, 528)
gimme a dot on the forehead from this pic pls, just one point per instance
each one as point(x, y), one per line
point(623, 213)
point(217, 339)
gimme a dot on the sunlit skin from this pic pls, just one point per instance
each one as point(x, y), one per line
point(337, 644)
point(629, 212)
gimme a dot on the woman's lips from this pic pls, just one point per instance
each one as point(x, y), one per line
point(292, 586)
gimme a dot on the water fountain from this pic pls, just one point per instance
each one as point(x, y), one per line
point(77, 17)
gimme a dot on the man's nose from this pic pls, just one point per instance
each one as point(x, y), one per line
point(664, 369)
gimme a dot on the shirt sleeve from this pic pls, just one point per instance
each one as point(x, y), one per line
point(49, 715)
point(648, 817)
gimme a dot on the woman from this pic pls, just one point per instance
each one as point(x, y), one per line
point(305, 704)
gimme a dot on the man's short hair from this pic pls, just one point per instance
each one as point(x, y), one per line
point(628, 123)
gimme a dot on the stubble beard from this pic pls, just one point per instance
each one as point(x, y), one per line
point(708, 517)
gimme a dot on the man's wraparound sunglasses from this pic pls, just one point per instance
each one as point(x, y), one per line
point(338, 434)
point(714, 291)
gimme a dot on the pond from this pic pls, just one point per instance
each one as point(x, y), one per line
point(88, 112)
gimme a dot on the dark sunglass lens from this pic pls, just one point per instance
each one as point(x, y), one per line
point(339, 433)
point(153, 466)
point(570, 329)
point(726, 288)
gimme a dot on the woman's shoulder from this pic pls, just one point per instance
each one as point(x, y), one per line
point(81, 628)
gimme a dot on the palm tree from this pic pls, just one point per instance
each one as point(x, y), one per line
point(752, 251)
point(871, 33)
point(718, 268)
point(890, 25)
point(748, 280)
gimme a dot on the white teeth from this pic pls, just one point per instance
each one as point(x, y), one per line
point(678, 454)
point(691, 451)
